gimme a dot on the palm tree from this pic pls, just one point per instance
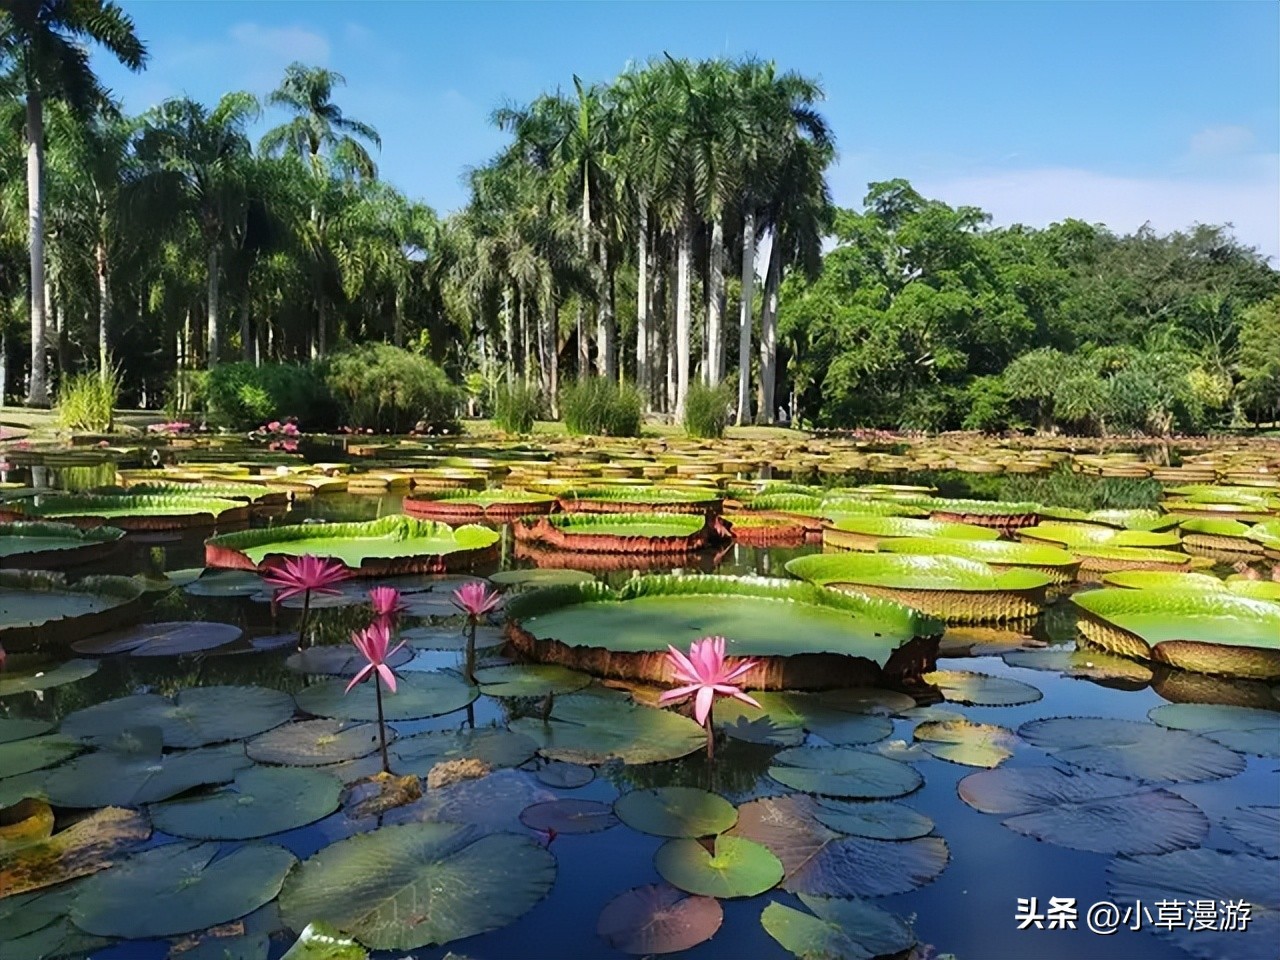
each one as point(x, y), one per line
point(318, 131)
point(43, 49)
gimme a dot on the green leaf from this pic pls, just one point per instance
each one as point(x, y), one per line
point(838, 929)
point(590, 728)
point(320, 941)
point(1126, 748)
point(131, 779)
point(19, 682)
point(530, 680)
point(314, 743)
point(1244, 729)
point(418, 695)
point(658, 919)
point(196, 717)
point(262, 801)
point(36, 753)
point(844, 772)
point(736, 868)
point(982, 690)
point(675, 812)
point(966, 742)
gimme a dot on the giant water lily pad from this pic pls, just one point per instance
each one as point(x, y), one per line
point(838, 929)
point(624, 533)
point(869, 533)
point(42, 609)
point(844, 772)
point(38, 678)
point(675, 812)
point(590, 728)
point(1055, 562)
point(1126, 748)
point(404, 887)
point(658, 919)
point(314, 743)
point(14, 728)
point(1199, 875)
point(817, 860)
point(391, 545)
point(90, 845)
point(880, 820)
point(1086, 811)
point(1076, 535)
point(981, 689)
point(1084, 664)
point(536, 577)
point(180, 887)
point(471, 506)
point(140, 774)
point(196, 717)
point(36, 545)
point(161, 639)
point(966, 742)
point(727, 867)
point(1245, 729)
point(36, 753)
point(135, 511)
point(418, 695)
point(262, 801)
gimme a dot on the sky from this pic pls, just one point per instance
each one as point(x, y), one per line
point(1113, 112)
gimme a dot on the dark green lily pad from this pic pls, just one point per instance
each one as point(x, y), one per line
point(965, 742)
point(13, 728)
point(982, 690)
point(226, 583)
point(490, 804)
point(343, 660)
point(782, 719)
point(196, 717)
point(180, 887)
point(844, 772)
point(733, 868)
point(161, 639)
point(565, 776)
point(262, 801)
point(867, 700)
point(34, 926)
point(591, 728)
point(1126, 748)
point(1083, 664)
point(675, 812)
point(493, 745)
point(418, 695)
point(658, 919)
point(35, 680)
point(838, 929)
point(404, 887)
point(882, 820)
point(1258, 827)
point(1244, 729)
point(36, 753)
point(530, 680)
point(1086, 811)
point(451, 637)
point(314, 743)
point(540, 577)
point(569, 816)
point(131, 778)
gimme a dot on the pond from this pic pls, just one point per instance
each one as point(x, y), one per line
point(1021, 789)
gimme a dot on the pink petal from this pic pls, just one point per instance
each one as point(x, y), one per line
point(739, 695)
point(363, 674)
point(678, 693)
point(742, 668)
point(388, 677)
point(682, 664)
point(702, 705)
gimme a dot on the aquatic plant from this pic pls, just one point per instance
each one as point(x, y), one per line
point(705, 673)
point(307, 574)
point(373, 642)
point(387, 604)
point(475, 599)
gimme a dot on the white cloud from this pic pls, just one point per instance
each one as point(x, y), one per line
point(283, 44)
point(1223, 141)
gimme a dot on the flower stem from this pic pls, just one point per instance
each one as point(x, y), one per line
point(306, 609)
point(711, 740)
point(471, 650)
point(382, 726)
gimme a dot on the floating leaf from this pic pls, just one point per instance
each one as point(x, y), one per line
point(879, 820)
point(313, 743)
point(265, 800)
point(451, 638)
point(130, 779)
point(161, 639)
point(658, 919)
point(493, 745)
point(85, 847)
point(24, 786)
point(675, 812)
point(34, 926)
point(36, 753)
point(180, 887)
point(1084, 664)
point(734, 867)
point(26, 822)
point(225, 583)
point(1258, 827)
point(819, 861)
point(965, 742)
point(1245, 729)
point(569, 816)
point(592, 728)
point(30, 682)
point(782, 719)
point(838, 929)
point(404, 887)
point(1127, 748)
point(320, 941)
point(1086, 811)
point(343, 660)
point(844, 772)
point(418, 695)
point(566, 776)
point(867, 700)
point(982, 690)
point(12, 729)
point(196, 717)
point(1197, 875)
point(530, 680)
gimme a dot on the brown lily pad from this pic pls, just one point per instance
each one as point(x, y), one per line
point(86, 847)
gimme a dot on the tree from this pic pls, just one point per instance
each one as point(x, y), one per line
point(1259, 363)
point(43, 49)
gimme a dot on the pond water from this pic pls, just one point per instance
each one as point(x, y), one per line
point(969, 910)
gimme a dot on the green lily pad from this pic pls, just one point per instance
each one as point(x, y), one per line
point(14, 682)
point(262, 801)
point(31, 545)
point(34, 926)
point(131, 778)
point(565, 776)
point(734, 867)
point(879, 820)
point(1082, 664)
point(658, 919)
point(1125, 748)
point(965, 742)
point(342, 660)
point(590, 728)
point(196, 717)
point(1257, 827)
point(1074, 535)
point(569, 816)
point(14, 728)
point(1244, 729)
point(675, 812)
point(418, 695)
point(844, 772)
point(131, 507)
point(451, 638)
point(314, 743)
point(867, 700)
point(838, 929)
point(492, 745)
point(180, 887)
point(981, 689)
point(782, 719)
point(36, 753)
point(490, 804)
point(530, 680)
point(1086, 811)
point(161, 639)
point(540, 577)
point(322, 941)
point(226, 583)
point(404, 887)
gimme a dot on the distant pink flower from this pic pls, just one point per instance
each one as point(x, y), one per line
point(705, 673)
point(273, 426)
point(373, 642)
point(305, 575)
point(386, 602)
point(290, 429)
point(475, 599)
point(3, 656)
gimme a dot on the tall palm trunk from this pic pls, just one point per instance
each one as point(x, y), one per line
point(642, 309)
point(398, 332)
point(769, 332)
point(104, 309)
point(211, 327)
point(551, 355)
point(606, 335)
point(715, 304)
point(38, 386)
point(246, 326)
point(584, 351)
point(684, 310)
point(525, 342)
point(744, 315)
point(508, 334)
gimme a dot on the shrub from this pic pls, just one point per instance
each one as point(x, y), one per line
point(187, 392)
point(516, 407)
point(599, 406)
point(706, 410)
point(243, 396)
point(383, 387)
point(987, 402)
point(87, 401)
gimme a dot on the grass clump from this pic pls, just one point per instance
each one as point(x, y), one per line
point(706, 410)
point(87, 401)
point(515, 408)
point(596, 406)
point(390, 389)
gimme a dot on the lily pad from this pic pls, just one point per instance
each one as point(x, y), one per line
point(262, 801)
point(14, 682)
point(569, 816)
point(844, 772)
point(590, 728)
point(530, 680)
point(838, 929)
point(85, 847)
point(881, 820)
point(39, 609)
point(658, 919)
point(404, 887)
point(226, 583)
point(161, 639)
point(321, 941)
point(540, 577)
point(867, 700)
point(492, 745)
point(1086, 811)
point(196, 717)
point(1126, 748)
point(1082, 664)
point(34, 926)
point(675, 812)
point(342, 660)
point(180, 887)
point(313, 743)
point(36, 753)
point(965, 742)
point(981, 689)
point(820, 861)
point(131, 778)
point(490, 804)
point(565, 776)
point(1257, 827)
point(782, 719)
point(451, 638)
point(27, 822)
point(1244, 729)
point(418, 695)
point(15, 728)
point(733, 867)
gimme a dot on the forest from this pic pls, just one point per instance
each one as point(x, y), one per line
point(670, 231)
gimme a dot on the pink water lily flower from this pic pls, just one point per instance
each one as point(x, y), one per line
point(475, 599)
point(305, 575)
point(386, 602)
point(372, 642)
point(704, 672)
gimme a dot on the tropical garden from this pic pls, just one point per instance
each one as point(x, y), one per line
point(319, 642)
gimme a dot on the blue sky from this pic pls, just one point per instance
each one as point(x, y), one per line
point(1111, 111)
